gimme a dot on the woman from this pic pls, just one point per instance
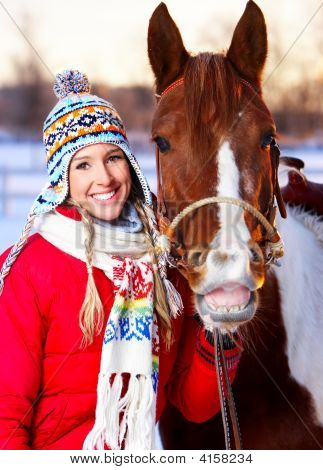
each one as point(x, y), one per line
point(85, 299)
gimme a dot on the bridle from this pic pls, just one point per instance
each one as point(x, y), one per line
point(272, 243)
point(272, 246)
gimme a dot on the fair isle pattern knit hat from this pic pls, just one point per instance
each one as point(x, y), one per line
point(79, 119)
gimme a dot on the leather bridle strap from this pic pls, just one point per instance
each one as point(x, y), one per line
point(275, 156)
point(224, 385)
point(161, 206)
point(171, 87)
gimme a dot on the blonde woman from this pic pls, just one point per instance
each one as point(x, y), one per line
point(90, 324)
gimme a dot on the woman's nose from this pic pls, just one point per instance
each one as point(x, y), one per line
point(103, 176)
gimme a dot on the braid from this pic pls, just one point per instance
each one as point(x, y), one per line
point(161, 303)
point(16, 250)
point(91, 313)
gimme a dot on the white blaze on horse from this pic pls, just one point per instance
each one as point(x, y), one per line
point(217, 139)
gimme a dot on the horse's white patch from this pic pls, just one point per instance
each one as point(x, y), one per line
point(301, 287)
point(232, 225)
point(233, 234)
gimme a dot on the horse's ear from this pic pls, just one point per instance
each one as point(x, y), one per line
point(166, 50)
point(248, 49)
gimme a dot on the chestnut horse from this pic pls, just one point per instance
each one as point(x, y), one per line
point(216, 137)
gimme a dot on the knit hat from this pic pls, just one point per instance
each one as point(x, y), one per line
point(80, 119)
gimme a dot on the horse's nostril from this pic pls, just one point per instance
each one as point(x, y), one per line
point(197, 257)
point(223, 257)
point(256, 255)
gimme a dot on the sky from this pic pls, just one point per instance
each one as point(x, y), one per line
point(107, 39)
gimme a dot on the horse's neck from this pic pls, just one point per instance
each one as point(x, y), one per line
point(300, 280)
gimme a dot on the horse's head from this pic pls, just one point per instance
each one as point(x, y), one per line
point(216, 137)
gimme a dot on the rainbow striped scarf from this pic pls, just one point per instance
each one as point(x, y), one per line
point(128, 378)
point(126, 419)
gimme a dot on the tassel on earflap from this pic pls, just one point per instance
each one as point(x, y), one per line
point(173, 298)
point(162, 245)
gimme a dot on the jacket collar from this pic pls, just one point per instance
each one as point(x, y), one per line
point(69, 211)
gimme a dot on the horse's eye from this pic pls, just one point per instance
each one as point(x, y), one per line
point(162, 143)
point(267, 141)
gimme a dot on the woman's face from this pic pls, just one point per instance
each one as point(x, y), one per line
point(100, 181)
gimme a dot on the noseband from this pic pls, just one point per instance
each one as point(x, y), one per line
point(273, 244)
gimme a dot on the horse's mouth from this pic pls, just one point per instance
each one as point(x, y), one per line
point(231, 304)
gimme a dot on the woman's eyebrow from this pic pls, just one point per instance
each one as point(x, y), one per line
point(82, 157)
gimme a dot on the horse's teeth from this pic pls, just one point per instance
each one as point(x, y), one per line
point(225, 309)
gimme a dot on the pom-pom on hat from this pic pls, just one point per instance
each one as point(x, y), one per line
point(71, 81)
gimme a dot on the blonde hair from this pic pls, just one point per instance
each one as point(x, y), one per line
point(160, 300)
point(92, 313)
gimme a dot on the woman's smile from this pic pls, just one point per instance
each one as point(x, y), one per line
point(105, 197)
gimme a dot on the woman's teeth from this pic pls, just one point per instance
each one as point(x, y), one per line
point(104, 197)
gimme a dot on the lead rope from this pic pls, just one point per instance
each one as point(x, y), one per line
point(225, 384)
point(219, 375)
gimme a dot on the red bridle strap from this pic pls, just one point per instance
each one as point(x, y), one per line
point(171, 87)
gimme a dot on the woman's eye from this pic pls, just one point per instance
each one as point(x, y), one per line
point(114, 158)
point(82, 166)
point(268, 141)
point(162, 144)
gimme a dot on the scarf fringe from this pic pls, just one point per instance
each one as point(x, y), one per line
point(123, 422)
point(162, 243)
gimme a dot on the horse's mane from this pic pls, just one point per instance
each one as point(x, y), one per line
point(212, 95)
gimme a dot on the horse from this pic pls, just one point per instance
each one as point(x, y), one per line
point(216, 137)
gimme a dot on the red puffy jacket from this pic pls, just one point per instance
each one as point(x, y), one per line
point(48, 384)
